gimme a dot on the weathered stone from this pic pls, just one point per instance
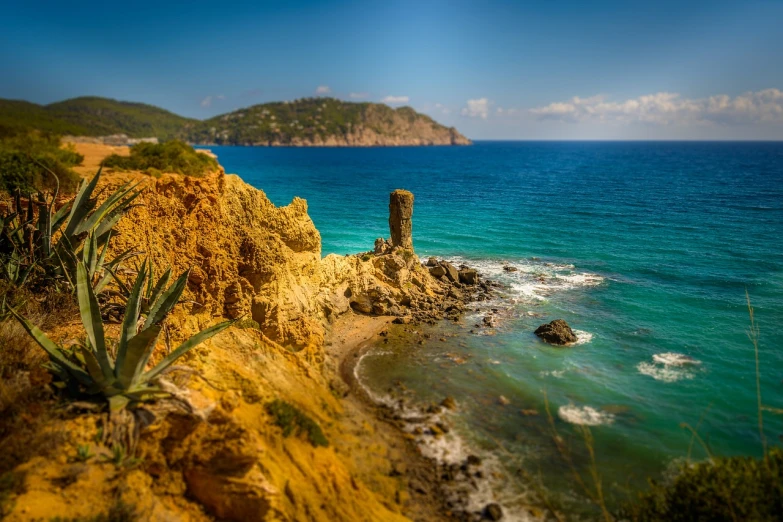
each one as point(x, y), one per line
point(449, 403)
point(400, 218)
point(468, 276)
point(432, 262)
point(557, 332)
point(509, 268)
point(437, 271)
point(451, 272)
point(380, 246)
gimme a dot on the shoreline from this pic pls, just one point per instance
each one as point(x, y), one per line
point(348, 339)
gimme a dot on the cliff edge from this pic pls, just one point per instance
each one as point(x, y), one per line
point(229, 455)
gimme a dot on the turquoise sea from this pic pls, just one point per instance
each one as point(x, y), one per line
point(646, 249)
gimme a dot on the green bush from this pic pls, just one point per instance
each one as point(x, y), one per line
point(732, 488)
point(293, 421)
point(172, 156)
point(26, 159)
point(248, 324)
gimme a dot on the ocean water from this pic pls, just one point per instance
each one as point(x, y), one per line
point(646, 249)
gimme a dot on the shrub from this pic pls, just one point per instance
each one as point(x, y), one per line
point(294, 421)
point(28, 159)
point(727, 488)
point(172, 156)
point(248, 324)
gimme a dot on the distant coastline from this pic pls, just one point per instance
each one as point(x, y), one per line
point(307, 122)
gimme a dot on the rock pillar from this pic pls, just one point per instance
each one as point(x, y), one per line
point(400, 218)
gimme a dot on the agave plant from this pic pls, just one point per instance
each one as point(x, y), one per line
point(55, 239)
point(90, 368)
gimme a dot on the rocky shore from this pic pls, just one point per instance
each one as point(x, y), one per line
point(303, 322)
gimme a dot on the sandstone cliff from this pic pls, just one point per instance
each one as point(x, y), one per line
point(225, 457)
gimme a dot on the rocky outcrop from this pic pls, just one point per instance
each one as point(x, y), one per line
point(401, 219)
point(224, 456)
point(557, 332)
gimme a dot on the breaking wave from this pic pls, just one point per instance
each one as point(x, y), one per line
point(532, 279)
point(669, 367)
point(585, 415)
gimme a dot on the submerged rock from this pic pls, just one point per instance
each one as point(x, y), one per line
point(449, 403)
point(557, 332)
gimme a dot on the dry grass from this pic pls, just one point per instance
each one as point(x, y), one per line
point(26, 398)
point(595, 492)
point(753, 335)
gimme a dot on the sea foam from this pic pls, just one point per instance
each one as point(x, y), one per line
point(532, 280)
point(669, 367)
point(584, 415)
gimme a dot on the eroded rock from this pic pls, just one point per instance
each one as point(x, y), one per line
point(400, 218)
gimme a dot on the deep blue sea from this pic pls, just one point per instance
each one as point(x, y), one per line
point(646, 249)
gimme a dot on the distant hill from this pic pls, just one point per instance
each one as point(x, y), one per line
point(323, 122)
point(92, 116)
point(305, 122)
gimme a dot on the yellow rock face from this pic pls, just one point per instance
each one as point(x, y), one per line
point(225, 457)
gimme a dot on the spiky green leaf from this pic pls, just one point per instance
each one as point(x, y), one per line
point(184, 348)
point(54, 351)
point(91, 318)
point(82, 205)
point(136, 356)
point(167, 300)
point(131, 318)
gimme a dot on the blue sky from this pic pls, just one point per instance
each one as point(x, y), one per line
point(509, 70)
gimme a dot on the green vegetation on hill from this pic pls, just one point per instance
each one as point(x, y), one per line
point(20, 116)
point(29, 158)
point(172, 156)
point(307, 119)
point(92, 116)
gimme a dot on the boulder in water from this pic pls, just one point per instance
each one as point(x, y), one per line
point(468, 276)
point(557, 332)
point(437, 271)
point(451, 271)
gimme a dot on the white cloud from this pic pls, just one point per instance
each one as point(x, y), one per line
point(666, 108)
point(207, 102)
point(323, 89)
point(478, 108)
point(442, 108)
point(358, 95)
point(395, 99)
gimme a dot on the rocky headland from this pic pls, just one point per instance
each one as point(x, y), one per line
point(301, 321)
